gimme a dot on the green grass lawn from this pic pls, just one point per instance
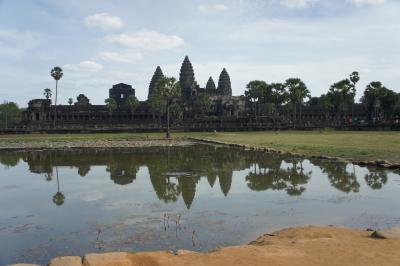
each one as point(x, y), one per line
point(350, 145)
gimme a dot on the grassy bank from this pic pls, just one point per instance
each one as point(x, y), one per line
point(349, 145)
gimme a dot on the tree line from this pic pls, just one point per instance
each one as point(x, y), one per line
point(288, 98)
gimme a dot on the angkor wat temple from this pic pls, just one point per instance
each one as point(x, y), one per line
point(41, 113)
point(226, 112)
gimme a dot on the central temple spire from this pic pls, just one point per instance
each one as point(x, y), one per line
point(186, 77)
point(224, 84)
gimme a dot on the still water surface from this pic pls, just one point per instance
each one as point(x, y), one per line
point(71, 202)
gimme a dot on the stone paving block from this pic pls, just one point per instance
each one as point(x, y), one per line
point(66, 261)
point(107, 259)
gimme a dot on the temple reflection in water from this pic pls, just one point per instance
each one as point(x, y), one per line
point(176, 171)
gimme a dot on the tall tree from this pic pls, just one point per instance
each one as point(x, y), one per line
point(57, 74)
point(111, 106)
point(9, 114)
point(70, 101)
point(47, 93)
point(379, 100)
point(256, 91)
point(133, 103)
point(168, 89)
point(327, 103)
point(297, 92)
point(347, 92)
point(354, 78)
point(279, 96)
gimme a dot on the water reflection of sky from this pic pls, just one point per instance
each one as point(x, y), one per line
point(116, 200)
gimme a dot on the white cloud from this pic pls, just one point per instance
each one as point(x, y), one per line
point(121, 57)
point(206, 9)
point(367, 2)
point(104, 21)
point(84, 67)
point(146, 40)
point(17, 43)
point(299, 4)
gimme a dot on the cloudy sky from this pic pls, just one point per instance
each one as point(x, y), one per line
point(99, 43)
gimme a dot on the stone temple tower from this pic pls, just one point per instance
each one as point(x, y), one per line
point(211, 85)
point(158, 74)
point(186, 78)
point(224, 84)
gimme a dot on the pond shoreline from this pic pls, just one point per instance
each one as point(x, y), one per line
point(384, 164)
point(310, 245)
point(184, 141)
point(65, 144)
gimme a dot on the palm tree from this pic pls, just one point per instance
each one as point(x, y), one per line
point(347, 91)
point(70, 101)
point(47, 93)
point(298, 91)
point(354, 78)
point(57, 74)
point(168, 89)
point(380, 101)
point(256, 90)
point(326, 102)
point(279, 96)
point(133, 103)
point(111, 105)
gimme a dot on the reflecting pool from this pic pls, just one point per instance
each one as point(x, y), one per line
point(76, 201)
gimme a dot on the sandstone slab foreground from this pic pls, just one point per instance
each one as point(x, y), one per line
point(329, 246)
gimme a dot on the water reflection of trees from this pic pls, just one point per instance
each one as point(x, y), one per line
point(269, 174)
point(375, 179)
point(59, 197)
point(175, 172)
point(10, 158)
point(338, 175)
